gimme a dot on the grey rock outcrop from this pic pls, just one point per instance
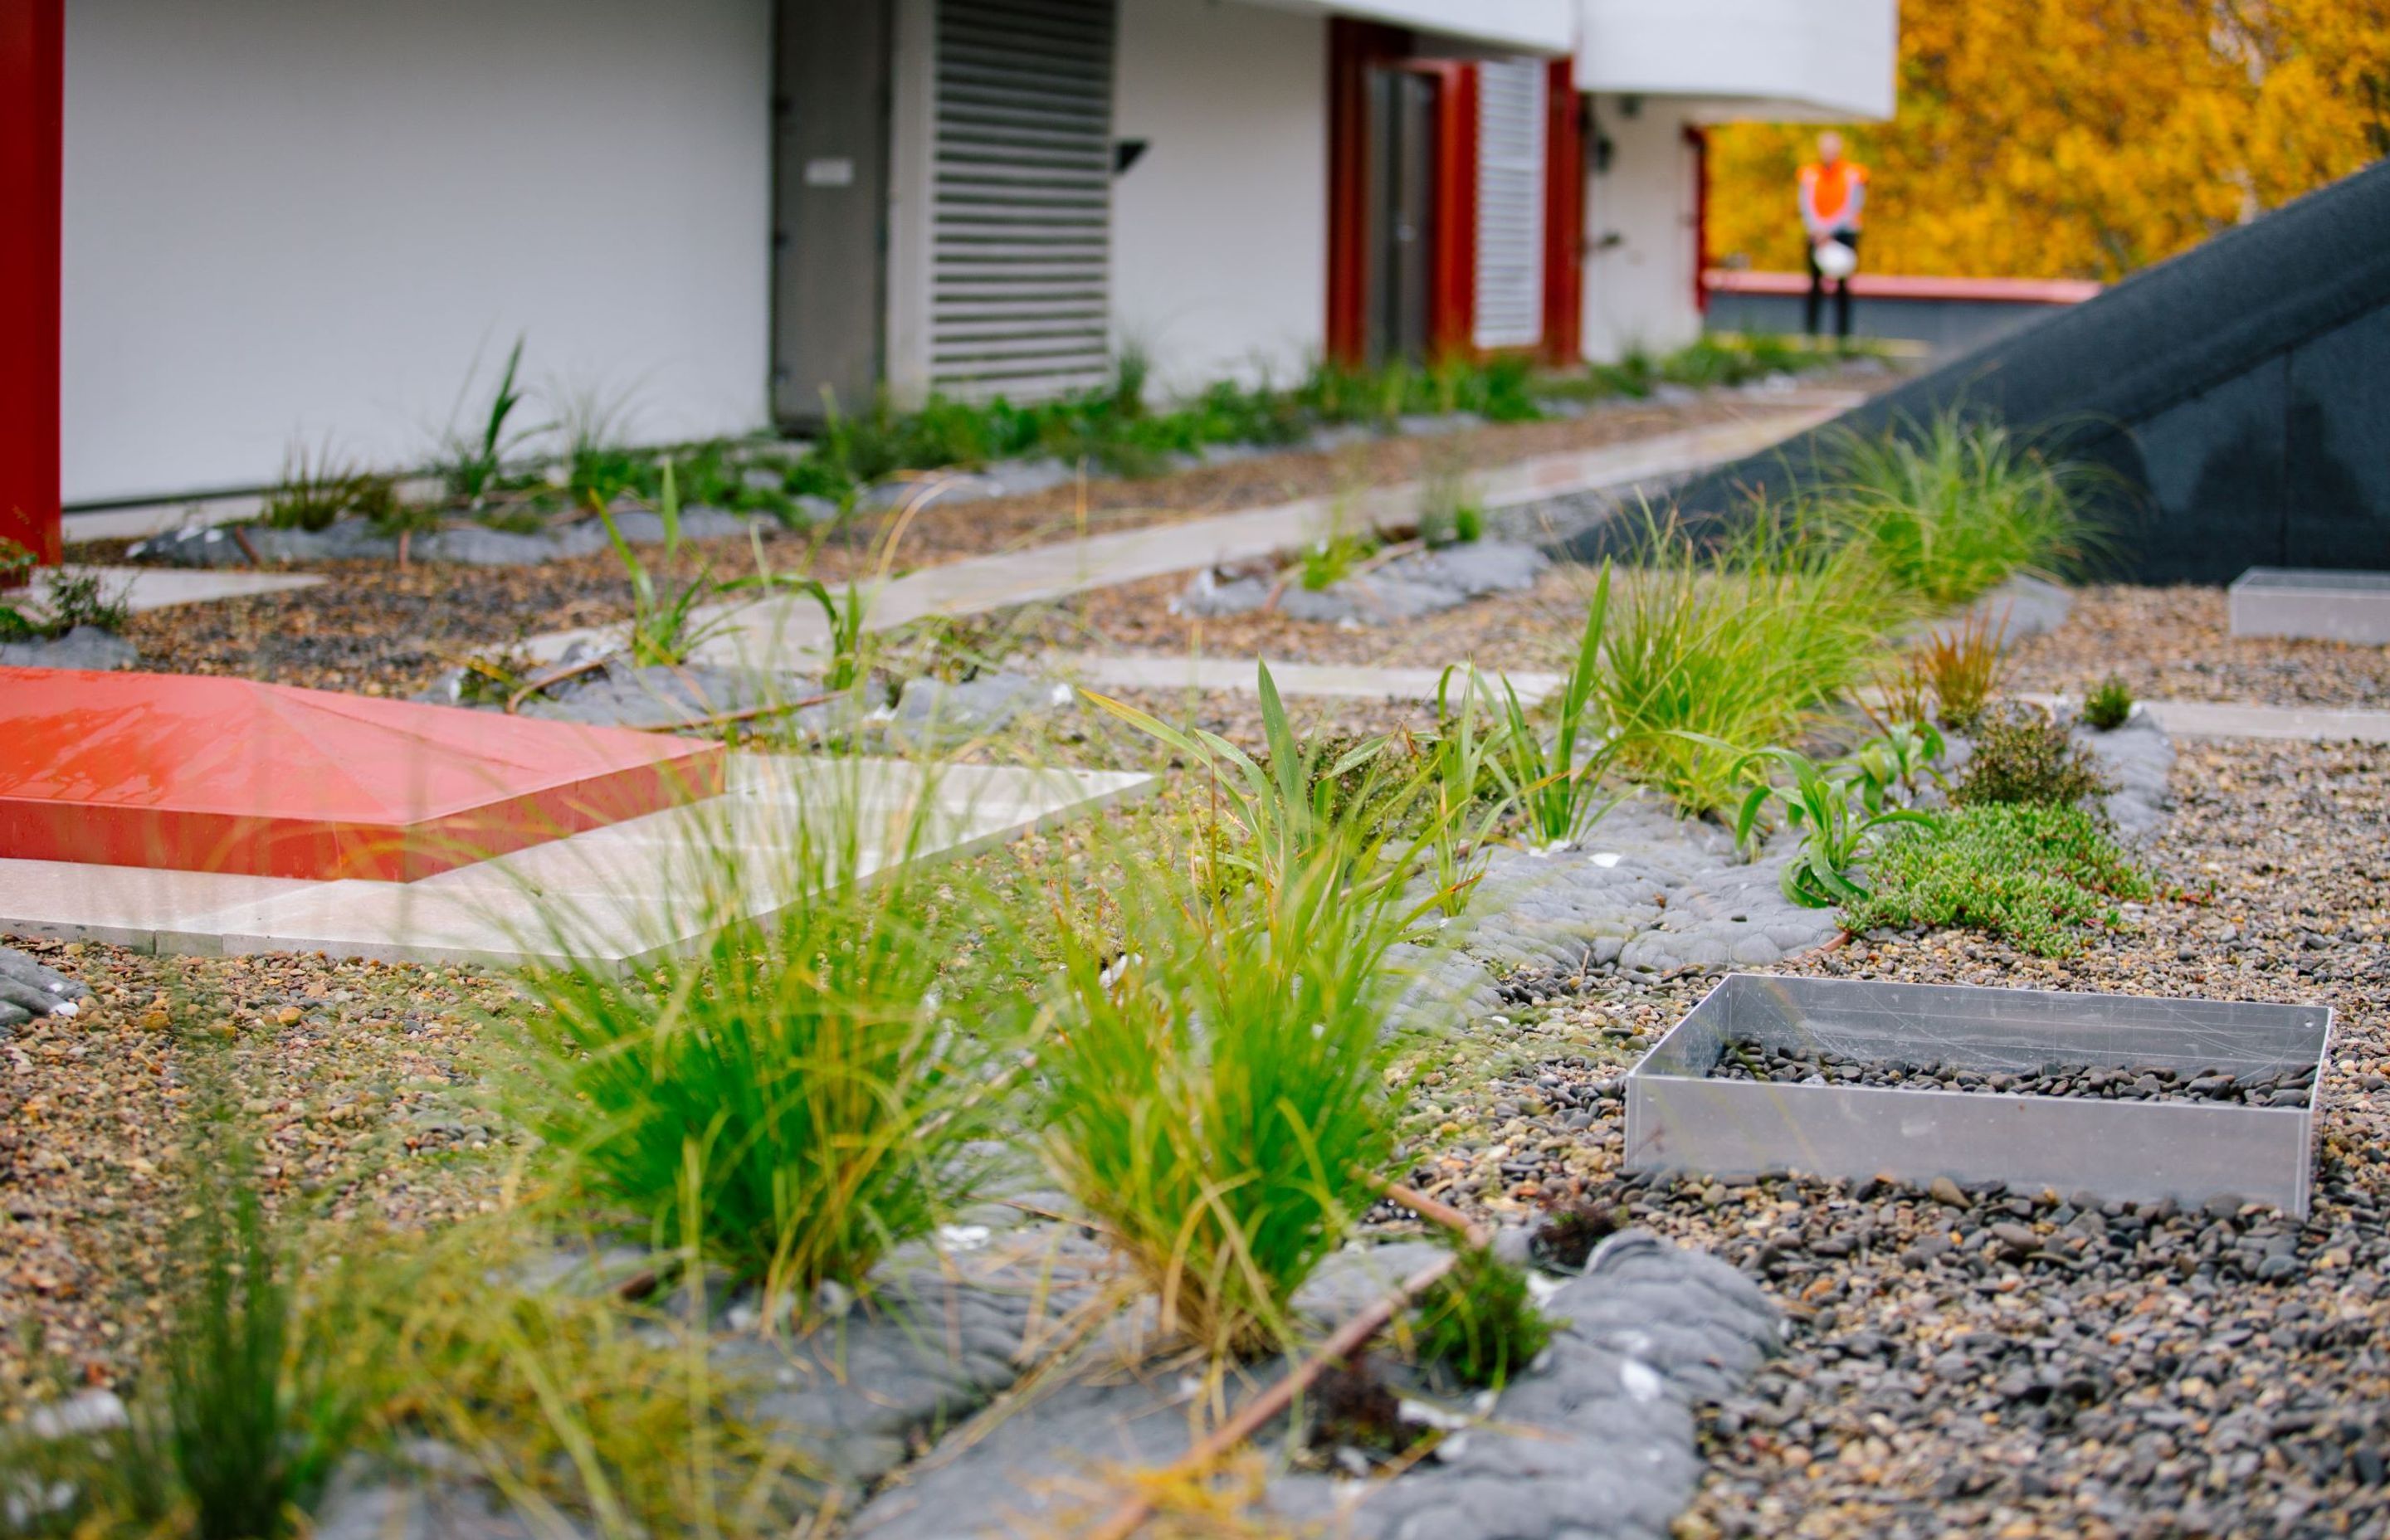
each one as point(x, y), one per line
point(28, 990)
point(86, 647)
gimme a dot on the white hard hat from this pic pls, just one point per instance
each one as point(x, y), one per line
point(1834, 259)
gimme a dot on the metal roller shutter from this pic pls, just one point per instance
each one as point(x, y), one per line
point(1021, 271)
point(1511, 168)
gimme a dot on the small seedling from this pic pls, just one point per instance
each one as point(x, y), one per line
point(1478, 1322)
point(1895, 759)
point(2108, 705)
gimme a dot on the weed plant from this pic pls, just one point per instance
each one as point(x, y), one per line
point(1477, 1322)
point(2041, 877)
point(1890, 765)
point(1834, 834)
point(2108, 704)
point(1450, 512)
point(797, 1074)
point(1951, 508)
point(2022, 755)
point(1467, 795)
point(1560, 788)
point(472, 461)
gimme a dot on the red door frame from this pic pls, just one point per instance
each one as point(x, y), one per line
point(33, 101)
point(1354, 49)
point(1563, 218)
point(1698, 138)
point(1452, 292)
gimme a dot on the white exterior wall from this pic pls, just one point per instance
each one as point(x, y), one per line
point(1220, 230)
point(1830, 60)
point(286, 218)
point(1641, 217)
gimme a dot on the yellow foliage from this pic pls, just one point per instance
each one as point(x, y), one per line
point(2080, 138)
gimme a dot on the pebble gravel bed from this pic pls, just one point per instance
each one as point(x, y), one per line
point(2176, 643)
point(1747, 1058)
point(2125, 1372)
point(371, 1088)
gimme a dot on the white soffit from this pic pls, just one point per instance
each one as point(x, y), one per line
point(1528, 26)
point(1824, 60)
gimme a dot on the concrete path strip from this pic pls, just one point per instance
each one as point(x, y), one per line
point(2179, 718)
point(770, 633)
point(1319, 680)
point(146, 588)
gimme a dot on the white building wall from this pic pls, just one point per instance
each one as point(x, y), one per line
point(1640, 216)
point(1831, 60)
point(286, 218)
point(1220, 230)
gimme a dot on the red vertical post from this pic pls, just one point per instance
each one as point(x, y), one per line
point(1563, 218)
point(33, 101)
point(1452, 302)
point(1699, 138)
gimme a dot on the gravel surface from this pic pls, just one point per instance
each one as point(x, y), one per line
point(2176, 644)
point(2133, 1372)
point(1747, 1058)
point(367, 1083)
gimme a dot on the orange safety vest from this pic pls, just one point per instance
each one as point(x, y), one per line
point(1833, 196)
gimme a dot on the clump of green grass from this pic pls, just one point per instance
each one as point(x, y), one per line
point(1952, 507)
point(2042, 877)
point(2021, 755)
point(472, 458)
point(318, 486)
point(1216, 1085)
point(798, 1075)
point(1960, 666)
point(2108, 704)
point(1711, 655)
point(1478, 1322)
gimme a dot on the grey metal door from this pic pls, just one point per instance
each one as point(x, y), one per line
point(829, 204)
point(1401, 213)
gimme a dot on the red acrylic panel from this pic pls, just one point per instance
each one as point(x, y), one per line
point(198, 774)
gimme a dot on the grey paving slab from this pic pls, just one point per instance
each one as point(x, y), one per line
point(1329, 681)
point(146, 588)
point(2311, 606)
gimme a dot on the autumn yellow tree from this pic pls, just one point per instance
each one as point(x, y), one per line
point(2080, 138)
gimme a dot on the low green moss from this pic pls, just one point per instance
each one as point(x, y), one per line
point(2040, 876)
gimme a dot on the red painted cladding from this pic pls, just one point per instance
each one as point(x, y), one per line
point(32, 85)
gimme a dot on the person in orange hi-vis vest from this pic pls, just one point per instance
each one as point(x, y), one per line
point(1834, 191)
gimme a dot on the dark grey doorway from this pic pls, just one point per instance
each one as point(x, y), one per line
point(829, 173)
point(1401, 256)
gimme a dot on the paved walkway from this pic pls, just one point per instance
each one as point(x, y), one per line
point(781, 631)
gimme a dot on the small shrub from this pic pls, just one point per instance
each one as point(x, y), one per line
point(2107, 706)
point(1963, 663)
point(1566, 1238)
point(1955, 506)
point(2040, 876)
point(1478, 1322)
point(2023, 756)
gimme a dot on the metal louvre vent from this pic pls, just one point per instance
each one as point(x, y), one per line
point(1510, 163)
point(1021, 269)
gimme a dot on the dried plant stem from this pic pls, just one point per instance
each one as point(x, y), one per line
point(1341, 1344)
